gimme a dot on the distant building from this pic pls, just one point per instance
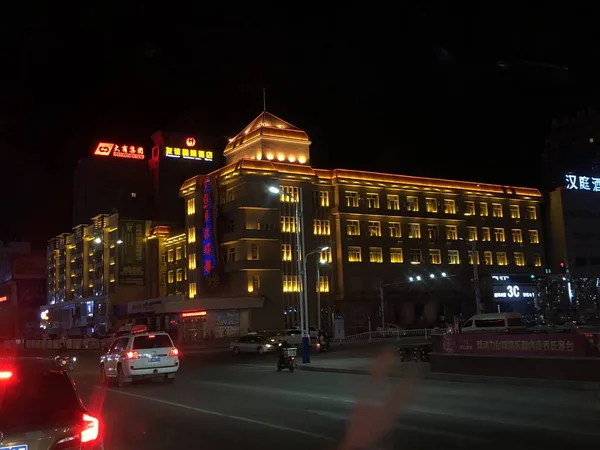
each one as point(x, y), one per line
point(22, 290)
point(364, 233)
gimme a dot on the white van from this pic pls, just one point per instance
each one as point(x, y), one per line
point(495, 323)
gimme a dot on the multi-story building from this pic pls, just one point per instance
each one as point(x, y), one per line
point(363, 233)
point(93, 269)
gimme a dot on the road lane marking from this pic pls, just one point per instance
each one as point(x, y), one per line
point(404, 427)
point(270, 389)
point(227, 416)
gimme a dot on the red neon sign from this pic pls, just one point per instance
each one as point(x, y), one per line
point(193, 314)
point(3, 299)
point(190, 142)
point(119, 151)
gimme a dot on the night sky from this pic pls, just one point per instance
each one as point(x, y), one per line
point(415, 89)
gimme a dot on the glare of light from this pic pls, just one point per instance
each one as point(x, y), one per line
point(119, 242)
point(273, 190)
point(431, 275)
point(98, 240)
point(418, 278)
point(443, 274)
point(324, 249)
point(410, 279)
point(323, 261)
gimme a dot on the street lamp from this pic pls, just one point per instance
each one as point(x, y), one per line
point(98, 240)
point(301, 269)
point(319, 262)
point(475, 260)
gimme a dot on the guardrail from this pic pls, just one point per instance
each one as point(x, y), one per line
point(53, 344)
point(425, 333)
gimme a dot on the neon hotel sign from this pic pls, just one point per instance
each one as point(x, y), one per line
point(582, 183)
point(119, 151)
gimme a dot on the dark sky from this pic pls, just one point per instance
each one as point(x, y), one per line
point(414, 89)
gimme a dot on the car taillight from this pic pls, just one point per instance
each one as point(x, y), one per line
point(173, 352)
point(88, 434)
point(5, 375)
point(133, 355)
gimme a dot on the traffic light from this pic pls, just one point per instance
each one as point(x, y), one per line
point(563, 267)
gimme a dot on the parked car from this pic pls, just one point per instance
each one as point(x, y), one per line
point(252, 343)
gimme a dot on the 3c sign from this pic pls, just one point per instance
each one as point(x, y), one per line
point(190, 142)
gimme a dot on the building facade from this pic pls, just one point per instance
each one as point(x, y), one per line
point(364, 235)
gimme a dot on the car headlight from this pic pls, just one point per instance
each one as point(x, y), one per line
point(268, 346)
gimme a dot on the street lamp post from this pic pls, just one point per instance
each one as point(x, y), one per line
point(99, 240)
point(301, 257)
point(475, 260)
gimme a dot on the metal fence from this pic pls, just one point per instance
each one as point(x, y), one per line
point(398, 335)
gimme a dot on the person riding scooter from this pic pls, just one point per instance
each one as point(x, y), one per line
point(280, 353)
point(62, 350)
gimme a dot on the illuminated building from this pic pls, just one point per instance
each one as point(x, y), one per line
point(381, 229)
point(93, 270)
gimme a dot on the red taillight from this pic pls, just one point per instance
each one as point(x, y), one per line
point(132, 355)
point(5, 375)
point(292, 358)
point(91, 429)
point(88, 434)
point(173, 352)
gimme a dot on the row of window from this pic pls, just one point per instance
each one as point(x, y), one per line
point(293, 283)
point(414, 232)
point(415, 256)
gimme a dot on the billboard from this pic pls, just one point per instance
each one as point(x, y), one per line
point(513, 288)
point(108, 149)
point(29, 266)
point(132, 252)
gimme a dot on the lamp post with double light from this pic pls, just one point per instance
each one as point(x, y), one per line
point(301, 257)
point(319, 263)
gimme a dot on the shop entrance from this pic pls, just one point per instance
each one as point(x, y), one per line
point(192, 326)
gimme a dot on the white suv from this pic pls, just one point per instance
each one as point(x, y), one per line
point(139, 355)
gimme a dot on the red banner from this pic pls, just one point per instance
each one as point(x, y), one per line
point(495, 344)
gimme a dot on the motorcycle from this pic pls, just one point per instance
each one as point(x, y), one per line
point(322, 345)
point(288, 360)
point(66, 362)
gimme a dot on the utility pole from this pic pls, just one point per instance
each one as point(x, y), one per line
point(475, 260)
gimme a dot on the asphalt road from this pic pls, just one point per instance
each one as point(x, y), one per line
point(220, 402)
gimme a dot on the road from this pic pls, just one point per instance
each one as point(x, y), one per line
point(219, 402)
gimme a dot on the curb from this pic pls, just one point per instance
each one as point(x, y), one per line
point(457, 378)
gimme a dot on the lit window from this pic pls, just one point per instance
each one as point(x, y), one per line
point(191, 235)
point(517, 236)
point(395, 229)
point(431, 205)
point(414, 231)
point(501, 259)
point(192, 261)
point(133, 195)
point(323, 198)
point(412, 204)
point(171, 277)
point(352, 199)
point(451, 233)
point(253, 283)
point(499, 235)
point(393, 202)
point(433, 232)
point(472, 233)
point(453, 257)
point(483, 209)
point(515, 212)
point(534, 236)
point(497, 210)
point(415, 255)
point(372, 200)
point(253, 252)
point(288, 224)
point(470, 253)
point(353, 228)
point(374, 229)
point(488, 260)
point(321, 227)
point(435, 256)
point(170, 255)
point(178, 253)
point(449, 206)
point(325, 255)
point(289, 194)
point(537, 260)
point(375, 255)
point(191, 206)
point(519, 259)
point(354, 254)
point(531, 213)
point(286, 252)
point(486, 236)
point(469, 208)
point(179, 275)
point(323, 284)
point(396, 256)
point(291, 283)
point(192, 291)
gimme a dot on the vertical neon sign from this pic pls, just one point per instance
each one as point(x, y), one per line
point(208, 242)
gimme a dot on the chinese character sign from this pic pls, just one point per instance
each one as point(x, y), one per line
point(582, 183)
point(551, 344)
point(189, 153)
point(119, 151)
point(208, 242)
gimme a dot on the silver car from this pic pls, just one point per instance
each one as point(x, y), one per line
point(252, 343)
point(40, 409)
